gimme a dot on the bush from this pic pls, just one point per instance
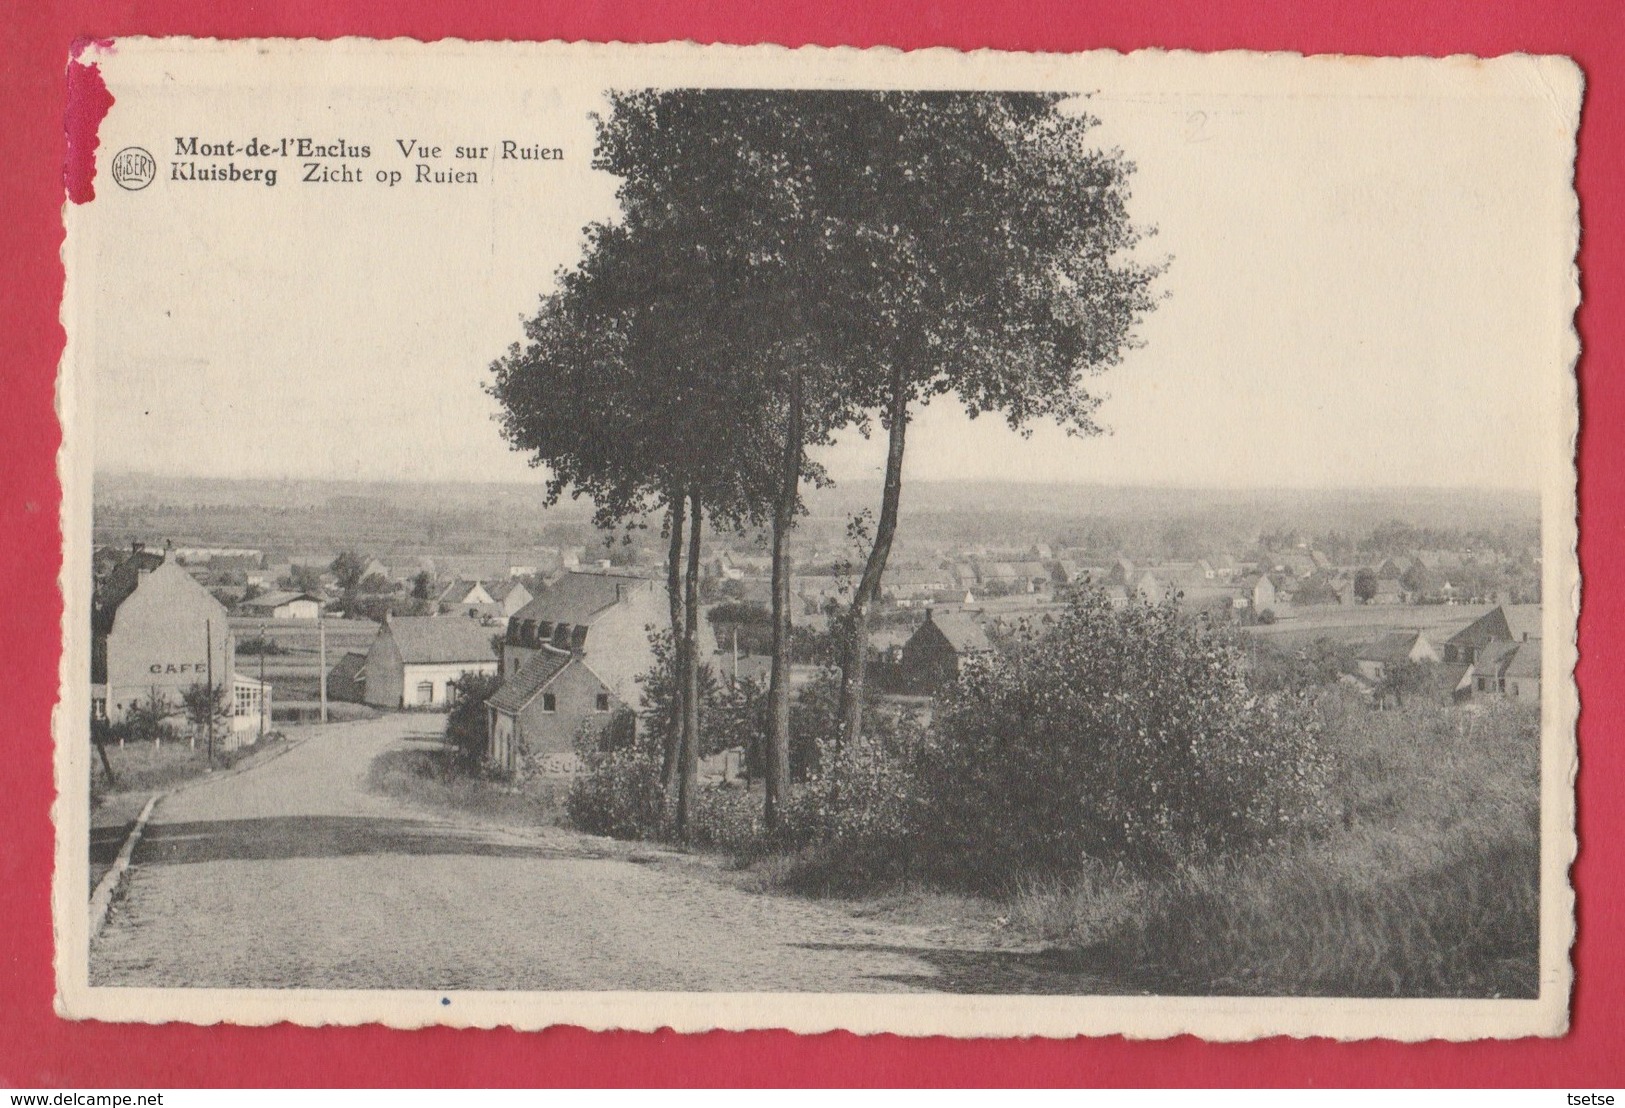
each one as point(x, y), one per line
point(261, 644)
point(1430, 886)
point(618, 791)
point(466, 723)
point(1121, 735)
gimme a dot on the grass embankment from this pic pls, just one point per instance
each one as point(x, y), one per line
point(1428, 887)
point(142, 767)
point(432, 779)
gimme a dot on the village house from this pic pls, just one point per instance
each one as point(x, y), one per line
point(1504, 623)
point(1375, 658)
point(1256, 593)
point(414, 661)
point(508, 596)
point(910, 584)
point(575, 654)
point(604, 617)
point(933, 654)
point(544, 705)
point(346, 680)
point(282, 605)
point(1502, 652)
point(464, 598)
point(155, 632)
point(816, 591)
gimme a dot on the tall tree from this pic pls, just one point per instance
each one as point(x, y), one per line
point(712, 169)
point(992, 242)
point(627, 391)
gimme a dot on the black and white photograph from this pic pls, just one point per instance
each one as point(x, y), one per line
point(934, 543)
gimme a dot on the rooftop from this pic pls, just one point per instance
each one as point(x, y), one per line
point(429, 640)
point(579, 598)
point(963, 633)
point(534, 676)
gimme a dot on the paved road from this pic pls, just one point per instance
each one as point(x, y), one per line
point(293, 874)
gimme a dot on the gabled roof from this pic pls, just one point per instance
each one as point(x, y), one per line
point(1454, 676)
point(457, 591)
point(579, 598)
point(349, 666)
point(963, 633)
point(1525, 661)
point(1395, 646)
point(499, 590)
point(431, 640)
point(122, 580)
point(1505, 622)
point(1493, 658)
point(277, 599)
point(534, 676)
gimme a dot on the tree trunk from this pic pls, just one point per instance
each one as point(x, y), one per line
point(674, 594)
point(101, 748)
point(689, 762)
point(857, 630)
point(777, 767)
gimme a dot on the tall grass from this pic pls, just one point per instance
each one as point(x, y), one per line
point(1430, 886)
point(432, 779)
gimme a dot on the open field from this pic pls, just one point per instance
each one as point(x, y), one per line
point(1360, 623)
point(296, 675)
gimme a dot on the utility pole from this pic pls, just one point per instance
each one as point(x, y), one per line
point(208, 668)
point(321, 636)
point(263, 644)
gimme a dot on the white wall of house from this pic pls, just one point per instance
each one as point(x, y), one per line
point(427, 685)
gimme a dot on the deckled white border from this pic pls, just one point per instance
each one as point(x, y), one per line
point(1218, 1018)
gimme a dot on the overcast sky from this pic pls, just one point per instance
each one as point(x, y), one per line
point(1362, 291)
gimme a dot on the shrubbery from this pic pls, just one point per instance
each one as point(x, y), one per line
point(618, 792)
point(1429, 884)
point(466, 723)
point(1125, 735)
point(1122, 734)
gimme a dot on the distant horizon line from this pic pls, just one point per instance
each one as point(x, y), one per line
point(1166, 486)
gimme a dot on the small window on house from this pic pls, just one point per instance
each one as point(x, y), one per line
point(425, 692)
point(550, 703)
point(603, 702)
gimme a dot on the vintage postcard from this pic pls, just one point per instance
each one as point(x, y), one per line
point(736, 537)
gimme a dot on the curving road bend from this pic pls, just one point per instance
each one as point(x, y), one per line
point(293, 875)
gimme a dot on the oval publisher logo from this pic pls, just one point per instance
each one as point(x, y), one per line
point(134, 168)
